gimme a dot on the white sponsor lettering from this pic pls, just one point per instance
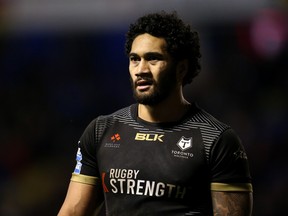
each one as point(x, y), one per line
point(160, 189)
point(123, 173)
point(139, 187)
point(182, 154)
point(147, 188)
point(112, 183)
point(125, 181)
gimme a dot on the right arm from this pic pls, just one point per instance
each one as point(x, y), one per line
point(81, 199)
point(232, 203)
point(85, 193)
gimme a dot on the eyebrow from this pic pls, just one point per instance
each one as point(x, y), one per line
point(149, 54)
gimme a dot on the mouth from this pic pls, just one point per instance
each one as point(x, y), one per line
point(143, 84)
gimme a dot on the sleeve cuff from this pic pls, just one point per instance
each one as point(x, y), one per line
point(84, 179)
point(244, 187)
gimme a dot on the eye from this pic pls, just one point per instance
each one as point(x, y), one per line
point(154, 58)
point(134, 58)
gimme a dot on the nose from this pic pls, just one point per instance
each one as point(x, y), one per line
point(143, 67)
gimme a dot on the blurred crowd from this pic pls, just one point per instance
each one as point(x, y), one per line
point(52, 84)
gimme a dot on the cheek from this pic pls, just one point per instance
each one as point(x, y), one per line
point(132, 67)
point(131, 71)
point(160, 71)
point(132, 76)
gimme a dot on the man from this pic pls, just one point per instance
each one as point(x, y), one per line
point(162, 155)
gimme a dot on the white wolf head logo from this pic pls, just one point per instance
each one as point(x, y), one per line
point(184, 143)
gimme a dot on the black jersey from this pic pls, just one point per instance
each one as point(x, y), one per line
point(161, 169)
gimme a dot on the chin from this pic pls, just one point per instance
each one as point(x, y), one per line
point(150, 100)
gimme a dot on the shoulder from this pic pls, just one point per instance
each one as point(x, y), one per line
point(206, 121)
point(211, 128)
point(220, 130)
point(123, 113)
point(102, 122)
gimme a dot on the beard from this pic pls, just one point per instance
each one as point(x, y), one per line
point(158, 91)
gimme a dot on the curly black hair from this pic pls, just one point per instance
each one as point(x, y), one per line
point(182, 41)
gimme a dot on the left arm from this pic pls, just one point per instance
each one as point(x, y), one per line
point(232, 203)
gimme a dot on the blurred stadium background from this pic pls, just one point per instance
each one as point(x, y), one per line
point(62, 63)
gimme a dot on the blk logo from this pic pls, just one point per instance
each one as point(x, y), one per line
point(149, 137)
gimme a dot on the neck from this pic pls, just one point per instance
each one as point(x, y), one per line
point(170, 110)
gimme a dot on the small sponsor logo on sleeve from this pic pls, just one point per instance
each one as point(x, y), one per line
point(77, 169)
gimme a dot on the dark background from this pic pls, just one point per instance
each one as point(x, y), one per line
point(57, 76)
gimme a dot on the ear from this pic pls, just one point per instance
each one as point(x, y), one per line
point(182, 69)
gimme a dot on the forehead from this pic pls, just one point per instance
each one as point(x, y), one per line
point(147, 43)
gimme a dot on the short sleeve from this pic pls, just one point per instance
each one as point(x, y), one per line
point(86, 161)
point(229, 163)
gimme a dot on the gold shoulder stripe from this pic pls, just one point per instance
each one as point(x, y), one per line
point(84, 179)
point(231, 187)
